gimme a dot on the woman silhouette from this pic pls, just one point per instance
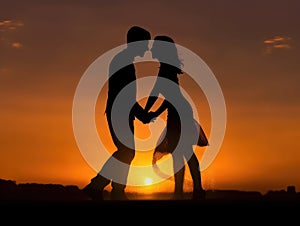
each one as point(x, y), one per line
point(164, 50)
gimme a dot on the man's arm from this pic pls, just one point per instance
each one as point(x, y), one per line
point(138, 111)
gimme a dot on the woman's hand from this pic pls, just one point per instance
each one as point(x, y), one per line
point(148, 117)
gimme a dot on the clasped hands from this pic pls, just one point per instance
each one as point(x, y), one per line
point(148, 117)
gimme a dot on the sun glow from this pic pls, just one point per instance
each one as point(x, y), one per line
point(148, 181)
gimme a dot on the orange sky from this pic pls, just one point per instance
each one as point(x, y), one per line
point(252, 47)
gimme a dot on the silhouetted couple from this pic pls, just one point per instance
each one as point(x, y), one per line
point(174, 142)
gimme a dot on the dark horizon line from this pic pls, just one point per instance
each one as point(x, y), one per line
point(289, 188)
point(10, 190)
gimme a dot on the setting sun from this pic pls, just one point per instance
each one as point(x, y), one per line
point(148, 181)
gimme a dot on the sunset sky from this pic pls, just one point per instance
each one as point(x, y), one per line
point(252, 47)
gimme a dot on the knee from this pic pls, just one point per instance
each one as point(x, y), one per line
point(130, 155)
point(127, 156)
point(124, 155)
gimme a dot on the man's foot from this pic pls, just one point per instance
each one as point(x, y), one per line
point(118, 195)
point(178, 195)
point(94, 194)
point(95, 188)
point(199, 194)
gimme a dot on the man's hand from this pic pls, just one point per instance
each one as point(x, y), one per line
point(152, 116)
point(148, 117)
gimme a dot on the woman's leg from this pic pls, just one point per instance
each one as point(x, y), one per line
point(194, 166)
point(179, 170)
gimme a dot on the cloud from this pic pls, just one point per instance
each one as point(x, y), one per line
point(277, 42)
point(10, 25)
point(16, 45)
point(7, 27)
point(282, 46)
point(5, 22)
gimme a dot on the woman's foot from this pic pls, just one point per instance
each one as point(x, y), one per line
point(199, 194)
point(118, 195)
point(178, 195)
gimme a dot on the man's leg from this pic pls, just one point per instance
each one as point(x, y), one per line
point(125, 156)
point(95, 188)
point(117, 166)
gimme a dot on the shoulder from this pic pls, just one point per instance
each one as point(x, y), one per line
point(168, 73)
point(119, 61)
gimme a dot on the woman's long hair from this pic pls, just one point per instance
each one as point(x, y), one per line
point(169, 53)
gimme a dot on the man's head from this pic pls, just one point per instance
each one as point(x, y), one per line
point(136, 34)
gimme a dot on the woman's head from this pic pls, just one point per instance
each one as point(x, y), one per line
point(165, 50)
point(136, 33)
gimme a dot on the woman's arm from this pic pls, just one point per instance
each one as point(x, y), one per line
point(161, 108)
point(152, 98)
point(152, 115)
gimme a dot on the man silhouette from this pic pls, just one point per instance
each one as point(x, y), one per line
point(119, 79)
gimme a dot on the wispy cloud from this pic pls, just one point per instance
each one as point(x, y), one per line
point(16, 45)
point(6, 29)
point(277, 42)
point(10, 25)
